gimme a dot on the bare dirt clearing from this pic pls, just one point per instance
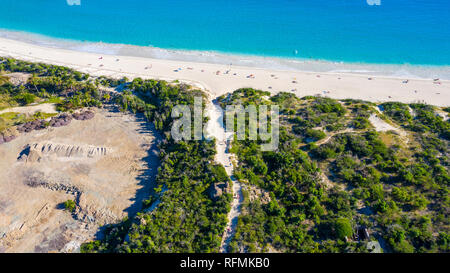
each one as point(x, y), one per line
point(382, 126)
point(106, 165)
point(30, 110)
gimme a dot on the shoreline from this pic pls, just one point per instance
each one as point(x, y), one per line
point(222, 78)
point(282, 63)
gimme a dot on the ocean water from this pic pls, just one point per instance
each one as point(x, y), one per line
point(403, 33)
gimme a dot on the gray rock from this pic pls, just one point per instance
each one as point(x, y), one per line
point(216, 190)
point(84, 115)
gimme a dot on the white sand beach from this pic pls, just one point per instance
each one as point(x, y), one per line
point(220, 79)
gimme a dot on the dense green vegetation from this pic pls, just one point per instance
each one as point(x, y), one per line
point(323, 191)
point(68, 88)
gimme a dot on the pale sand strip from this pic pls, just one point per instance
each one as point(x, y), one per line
point(215, 128)
point(48, 108)
point(335, 85)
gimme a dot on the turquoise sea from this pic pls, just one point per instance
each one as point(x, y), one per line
point(402, 32)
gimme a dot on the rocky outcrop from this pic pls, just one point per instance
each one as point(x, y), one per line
point(32, 125)
point(89, 211)
point(6, 138)
point(216, 190)
point(40, 124)
point(8, 135)
point(61, 120)
point(256, 193)
point(41, 181)
point(87, 115)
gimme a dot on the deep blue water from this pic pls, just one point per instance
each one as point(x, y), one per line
point(396, 32)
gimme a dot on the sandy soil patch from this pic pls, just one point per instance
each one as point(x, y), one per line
point(215, 128)
point(382, 126)
point(106, 164)
point(49, 108)
point(18, 78)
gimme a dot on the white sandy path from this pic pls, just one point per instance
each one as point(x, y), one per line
point(339, 85)
point(382, 126)
point(216, 129)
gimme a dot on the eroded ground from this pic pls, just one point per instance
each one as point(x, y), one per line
point(106, 165)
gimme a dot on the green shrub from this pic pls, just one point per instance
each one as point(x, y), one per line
point(315, 135)
point(343, 228)
point(26, 98)
point(69, 205)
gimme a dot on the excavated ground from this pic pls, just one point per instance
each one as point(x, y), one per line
point(106, 165)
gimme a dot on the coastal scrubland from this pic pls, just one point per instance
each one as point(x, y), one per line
point(339, 184)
